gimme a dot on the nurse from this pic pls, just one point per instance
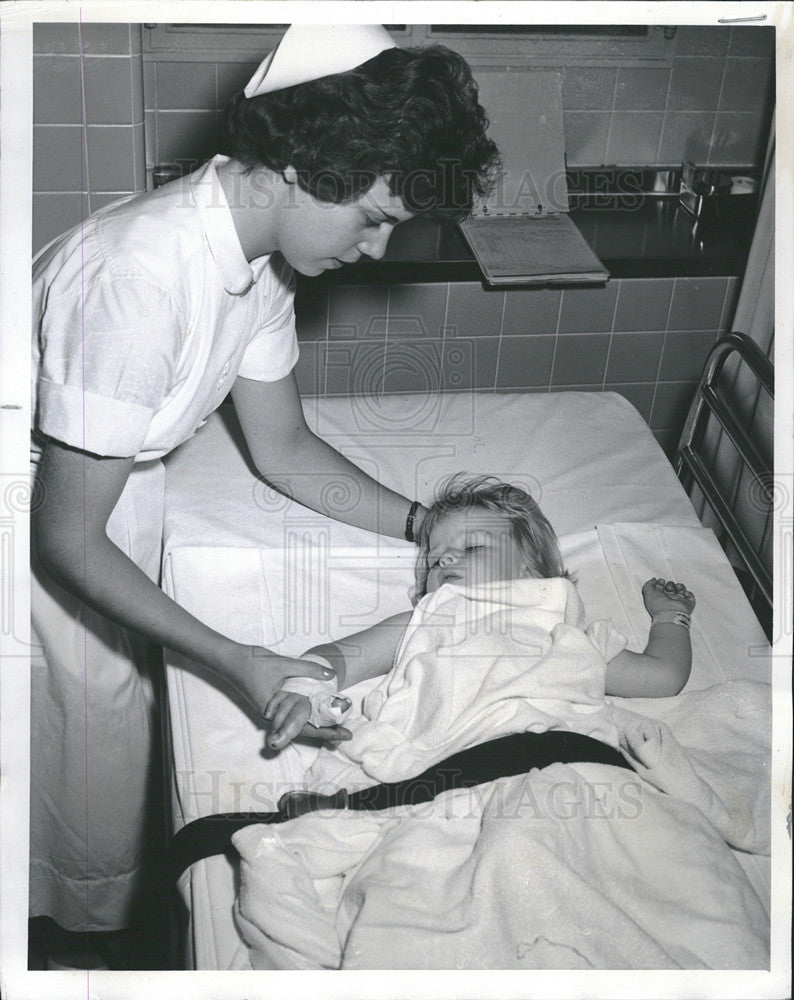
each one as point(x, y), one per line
point(145, 317)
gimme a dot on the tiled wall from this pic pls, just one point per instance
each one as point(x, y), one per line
point(92, 139)
point(183, 108)
point(710, 106)
point(644, 338)
point(88, 141)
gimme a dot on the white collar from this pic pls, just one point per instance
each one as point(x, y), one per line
point(237, 273)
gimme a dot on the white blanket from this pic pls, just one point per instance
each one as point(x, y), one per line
point(575, 866)
point(219, 763)
point(477, 663)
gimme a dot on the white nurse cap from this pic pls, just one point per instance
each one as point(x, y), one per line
point(310, 51)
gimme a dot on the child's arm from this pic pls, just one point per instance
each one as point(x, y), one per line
point(663, 669)
point(357, 657)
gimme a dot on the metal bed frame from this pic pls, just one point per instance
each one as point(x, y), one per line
point(712, 412)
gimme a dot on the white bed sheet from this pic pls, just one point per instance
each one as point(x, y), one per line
point(263, 570)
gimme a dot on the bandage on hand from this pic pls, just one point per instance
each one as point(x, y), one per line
point(328, 707)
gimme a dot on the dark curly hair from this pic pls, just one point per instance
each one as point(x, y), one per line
point(530, 527)
point(409, 114)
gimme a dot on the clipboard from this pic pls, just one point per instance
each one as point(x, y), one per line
point(523, 234)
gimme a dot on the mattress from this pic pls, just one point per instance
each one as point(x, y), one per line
point(263, 570)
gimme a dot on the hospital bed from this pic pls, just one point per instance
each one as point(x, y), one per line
point(263, 570)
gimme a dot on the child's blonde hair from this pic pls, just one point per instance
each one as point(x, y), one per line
point(531, 530)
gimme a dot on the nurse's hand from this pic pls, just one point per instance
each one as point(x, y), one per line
point(257, 673)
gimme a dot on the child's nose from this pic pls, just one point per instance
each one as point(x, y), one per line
point(447, 559)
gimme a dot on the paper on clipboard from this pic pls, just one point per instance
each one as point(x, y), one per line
point(522, 234)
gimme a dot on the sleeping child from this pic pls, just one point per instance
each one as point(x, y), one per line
point(494, 670)
point(434, 837)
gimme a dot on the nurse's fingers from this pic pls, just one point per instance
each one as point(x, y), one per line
point(288, 726)
point(332, 734)
point(282, 712)
point(272, 706)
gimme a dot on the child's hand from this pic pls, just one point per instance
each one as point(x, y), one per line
point(665, 595)
point(288, 714)
point(642, 741)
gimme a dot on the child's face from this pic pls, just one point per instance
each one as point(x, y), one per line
point(473, 547)
point(316, 235)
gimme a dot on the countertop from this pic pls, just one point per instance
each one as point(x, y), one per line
point(644, 236)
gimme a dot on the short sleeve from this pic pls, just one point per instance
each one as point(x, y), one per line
point(273, 350)
point(108, 352)
point(606, 638)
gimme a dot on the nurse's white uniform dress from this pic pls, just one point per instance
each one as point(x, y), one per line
point(142, 317)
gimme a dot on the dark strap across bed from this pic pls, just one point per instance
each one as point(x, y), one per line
point(501, 758)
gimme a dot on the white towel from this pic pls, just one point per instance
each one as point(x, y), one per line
point(477, 663)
